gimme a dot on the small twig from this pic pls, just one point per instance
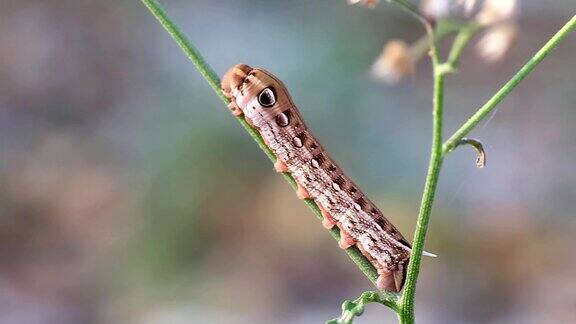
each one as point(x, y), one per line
point(460, 42)
point(477, 145)
point(422, 45)
point(354, 308)
point(462, 39)
point(413, 11)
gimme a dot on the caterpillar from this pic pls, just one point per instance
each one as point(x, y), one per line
point(267, 106)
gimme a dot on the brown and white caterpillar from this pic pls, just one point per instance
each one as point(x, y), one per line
point(268, 107)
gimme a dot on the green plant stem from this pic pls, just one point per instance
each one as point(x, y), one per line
point(190, 50)
point(422, 45)
point(489, 106)
point(462, 38)
point(406, 305)
point(413, 11)
point(208, 73)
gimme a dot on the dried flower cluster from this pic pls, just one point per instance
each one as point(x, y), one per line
point(497, 18)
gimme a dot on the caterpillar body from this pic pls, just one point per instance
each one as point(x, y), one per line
point(267, 106)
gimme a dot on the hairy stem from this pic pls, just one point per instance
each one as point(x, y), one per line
point(489, 106)
point(208, 73)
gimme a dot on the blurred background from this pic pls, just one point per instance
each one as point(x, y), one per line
point(129, 194)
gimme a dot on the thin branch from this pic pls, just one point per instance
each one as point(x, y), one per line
point(509, 86)
point(413, 11)
point(443, 29)
point(190, 50)
point(460, 42)
point(406, 313)
point(477, 145)
point(354, 308)
point(406, 303)
point(208, 73)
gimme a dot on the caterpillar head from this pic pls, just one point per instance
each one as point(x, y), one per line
point(257, 94)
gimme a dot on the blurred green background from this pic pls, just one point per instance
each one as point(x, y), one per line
point(129, 194)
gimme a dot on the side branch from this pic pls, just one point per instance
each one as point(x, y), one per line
point(509, 86)
point(354, 308)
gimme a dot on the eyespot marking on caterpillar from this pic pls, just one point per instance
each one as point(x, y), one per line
point(361, 202)
point(283, 119)
point(302, 137)
point(340, 181)
point(267, 97)
point(317, 160)
point(315, 163)
point(297, 142)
